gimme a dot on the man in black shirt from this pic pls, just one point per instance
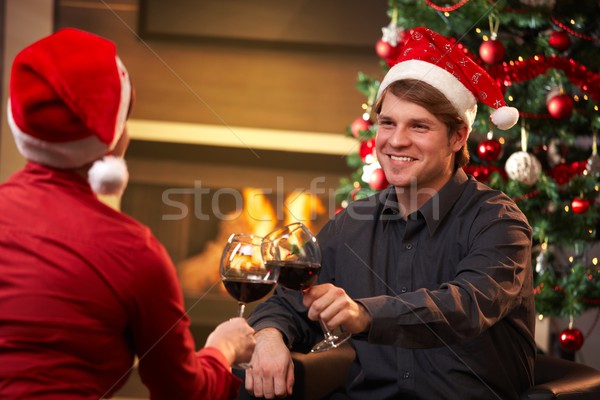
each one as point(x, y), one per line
point(432, 276)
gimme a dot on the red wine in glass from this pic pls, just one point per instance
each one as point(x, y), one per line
point(296, 275)
point(247, 290)
point(294, 251)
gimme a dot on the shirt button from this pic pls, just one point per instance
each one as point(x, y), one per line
point(406, 375)
point(403, 289)
point(408, 246)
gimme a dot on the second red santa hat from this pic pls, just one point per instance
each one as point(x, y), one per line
point(430, 57)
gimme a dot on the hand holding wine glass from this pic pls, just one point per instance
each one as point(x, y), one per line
point(294, 250)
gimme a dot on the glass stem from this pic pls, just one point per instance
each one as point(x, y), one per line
point(326, 331)
point(241, 308)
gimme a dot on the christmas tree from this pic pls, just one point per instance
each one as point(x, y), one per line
point(544, 54)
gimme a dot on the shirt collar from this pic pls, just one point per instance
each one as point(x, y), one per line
point(61, 177)
point(391, 210)
point(434, 210)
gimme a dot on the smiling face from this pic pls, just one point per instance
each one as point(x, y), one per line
point(414, 147)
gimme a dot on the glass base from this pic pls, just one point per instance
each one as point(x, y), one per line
point(242, 366)
point(331, 341)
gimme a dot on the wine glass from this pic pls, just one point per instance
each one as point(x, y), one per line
point(243, 273)
point(294, 251)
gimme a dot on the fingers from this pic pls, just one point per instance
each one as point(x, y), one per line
point(290, 378)
point(249, 382)
point(325, 302)
point(315, 292)
point(262, 383)
point(242, 325)
point(272, 367)
point(234, 338)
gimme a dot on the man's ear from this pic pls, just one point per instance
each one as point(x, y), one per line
point(459, 138)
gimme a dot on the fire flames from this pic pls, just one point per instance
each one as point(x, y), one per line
point(258, 217)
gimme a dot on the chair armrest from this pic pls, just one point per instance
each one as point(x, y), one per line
point(558, 378)
point(319, 374)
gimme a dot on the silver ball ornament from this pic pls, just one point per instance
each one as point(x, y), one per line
point(523, 167)
point(593, 164)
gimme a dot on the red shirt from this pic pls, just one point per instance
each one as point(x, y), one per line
point(84, 288)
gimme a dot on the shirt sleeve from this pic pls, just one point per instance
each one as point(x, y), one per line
point(168, 363)
point(487, 286)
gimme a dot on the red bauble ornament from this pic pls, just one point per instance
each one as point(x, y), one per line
point(483, 172)
point(562, 173)
point(378, 181)
point(560, 106)
point(560, 40)
point(359, 124)
point(367, 148)
point(571, 340)
point(489, 150)
point(492, 51)
point(387, 52)
point(383, 49)
point(580, 206)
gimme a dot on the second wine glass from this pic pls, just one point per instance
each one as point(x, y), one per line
point(294, 251)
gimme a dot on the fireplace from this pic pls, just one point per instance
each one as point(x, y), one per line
point(195, 195)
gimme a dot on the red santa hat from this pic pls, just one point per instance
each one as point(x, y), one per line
point(69, 98)
point(430, 57)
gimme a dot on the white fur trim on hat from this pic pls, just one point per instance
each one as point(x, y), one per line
point(505, 117)
point(108, 176)
point(461, 98)
point(124, 102)
point(66, 155)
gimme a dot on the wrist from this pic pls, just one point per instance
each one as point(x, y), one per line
point(269, 335)
point(364, 318)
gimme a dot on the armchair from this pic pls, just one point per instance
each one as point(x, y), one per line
point(320, 374)
point(556, 378)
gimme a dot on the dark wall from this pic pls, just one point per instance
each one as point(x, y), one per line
point(236, 82)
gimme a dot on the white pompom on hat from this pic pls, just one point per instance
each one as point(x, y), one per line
point(69, 96)
point(430, 57)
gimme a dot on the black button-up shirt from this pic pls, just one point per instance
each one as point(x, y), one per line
point(449, 289)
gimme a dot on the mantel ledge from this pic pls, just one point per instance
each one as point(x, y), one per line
point(241, 137)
